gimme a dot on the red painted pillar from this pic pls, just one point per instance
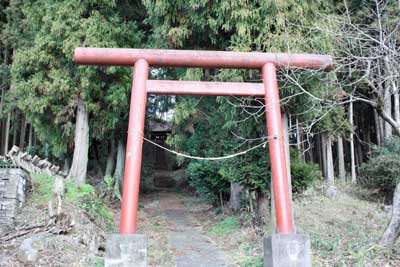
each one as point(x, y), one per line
point(277, 150)
point(133, 160)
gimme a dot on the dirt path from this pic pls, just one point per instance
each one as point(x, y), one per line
point(191, 247)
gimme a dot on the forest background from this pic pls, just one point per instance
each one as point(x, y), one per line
point(340, 125)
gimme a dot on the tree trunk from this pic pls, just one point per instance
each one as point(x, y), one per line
point(119, 167)
point(22, 133)
point(285, 125)
point(377, 128)
point(396, 104)
point(324, 154)
point(2, 141)
point(6, 128)
point(30, 138)
point(392, 231)
point(35, 140)
point(15, 128)
point(236, 192)
point(263, 208)
point(67, 165)
point(342, 171)
point(81, 142)
point(318, 155)
point(110, 159)
point(6, 134)
point(273, 211)
point(387, 96)
point(360, 154)
point(382, 127)
point(2, 122)
point(298, 138)
point(2, 98)
point(387, 108)
point(329, 160)
point(97, 161)
point(352, 156)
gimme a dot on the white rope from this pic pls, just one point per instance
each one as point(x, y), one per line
point(202, 158)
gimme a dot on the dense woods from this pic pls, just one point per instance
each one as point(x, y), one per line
point(341, 125)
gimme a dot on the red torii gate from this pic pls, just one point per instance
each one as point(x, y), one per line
point(141, 59)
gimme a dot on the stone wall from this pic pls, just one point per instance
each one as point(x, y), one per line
point(13, 187)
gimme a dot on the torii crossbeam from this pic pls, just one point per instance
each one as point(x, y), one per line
point(141, 59)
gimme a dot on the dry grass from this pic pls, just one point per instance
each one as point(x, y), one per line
point(71, 249)
point(152, 223)
point(242, 245)
point(344, 231)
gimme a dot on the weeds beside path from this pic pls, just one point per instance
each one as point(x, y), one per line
point(175, 238)
point(181, 228)
point(191, 247)
point(344, 231)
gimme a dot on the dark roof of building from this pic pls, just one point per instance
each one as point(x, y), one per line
point(160, 126)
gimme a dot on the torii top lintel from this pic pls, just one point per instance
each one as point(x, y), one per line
point(201, 59)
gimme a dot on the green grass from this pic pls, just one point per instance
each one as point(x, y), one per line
point(98, 262)
point(75, 194)
point(83, 196)
point(226, 226)
point(253, 262)
point(43, 188)
point(4, 163)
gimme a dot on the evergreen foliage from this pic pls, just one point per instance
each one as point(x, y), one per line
point(45, 85)
point(45, 82)
point(383, 168)
point(230, 124)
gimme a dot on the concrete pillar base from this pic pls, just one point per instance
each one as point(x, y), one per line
point(126, 250)
point(287, 250)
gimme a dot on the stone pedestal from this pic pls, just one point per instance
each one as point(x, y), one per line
point(287, 250)
point(126, 250)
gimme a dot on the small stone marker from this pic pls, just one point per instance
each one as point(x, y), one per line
point(126, 250)
point(28, 252)
point(287, 250)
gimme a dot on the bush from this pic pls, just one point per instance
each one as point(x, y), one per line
point(74, 193)
point(383, 168)
point(252, 170)
point(303, 174)
point(204, 176)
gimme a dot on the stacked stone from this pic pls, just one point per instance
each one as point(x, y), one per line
point(13, 185)
point(33, 164)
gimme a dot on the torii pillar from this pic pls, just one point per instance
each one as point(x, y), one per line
point(283, 249)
